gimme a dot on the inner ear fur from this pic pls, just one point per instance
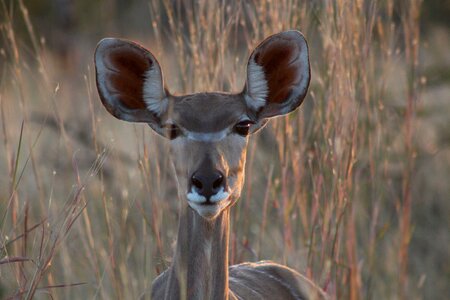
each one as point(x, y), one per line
point(128, 79)
point(278, 74)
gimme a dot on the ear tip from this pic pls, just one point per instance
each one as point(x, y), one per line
point(295, 34)
point(292, 35)
point(103, 45)
point(106, 42)
point(109, 42)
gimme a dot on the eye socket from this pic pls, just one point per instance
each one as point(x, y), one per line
point(172, 131)
point(243, 128)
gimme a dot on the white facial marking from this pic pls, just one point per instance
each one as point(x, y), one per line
point(197, 203)
point(219, 196)
point(257, 88)
point(153, 92)
point(193, 196)
point(207, 136)
point(206, 210)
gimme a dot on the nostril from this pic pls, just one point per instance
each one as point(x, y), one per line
point(196, 182)
point(218, 182)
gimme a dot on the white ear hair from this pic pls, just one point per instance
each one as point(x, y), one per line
point(154, 95)
point(257, 88)
point(278, 75)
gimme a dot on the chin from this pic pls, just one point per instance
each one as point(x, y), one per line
point(210, 211)
point(206, 211)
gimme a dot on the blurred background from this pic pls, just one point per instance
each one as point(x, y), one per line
point(352, 189)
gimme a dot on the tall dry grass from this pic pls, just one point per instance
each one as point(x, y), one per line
point(88, 204)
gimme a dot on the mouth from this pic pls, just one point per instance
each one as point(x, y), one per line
point(208, 207)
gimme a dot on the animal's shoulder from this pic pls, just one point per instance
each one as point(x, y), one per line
point(159, 285)
point(261, 279)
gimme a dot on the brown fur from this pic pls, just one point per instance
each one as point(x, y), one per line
point(207, 112)
point(207, 139)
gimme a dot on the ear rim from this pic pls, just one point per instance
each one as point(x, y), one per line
point(260, 106)
point(112, 102)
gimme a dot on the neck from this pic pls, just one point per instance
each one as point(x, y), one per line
point(200, 266)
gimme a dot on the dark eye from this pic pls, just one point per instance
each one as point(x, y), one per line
point(172, 131)
point(243, 128)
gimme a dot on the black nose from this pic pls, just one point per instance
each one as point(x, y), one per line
point(207, 183)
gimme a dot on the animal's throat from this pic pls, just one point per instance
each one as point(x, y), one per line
point(202, 250)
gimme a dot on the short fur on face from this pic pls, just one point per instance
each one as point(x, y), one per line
point(203, 126)
point(206, 122)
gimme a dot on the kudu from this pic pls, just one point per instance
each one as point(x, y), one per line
point(208, 135)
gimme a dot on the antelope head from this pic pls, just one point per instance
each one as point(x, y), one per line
point(208, 132)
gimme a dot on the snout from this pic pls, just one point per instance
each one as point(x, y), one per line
point(207, 187)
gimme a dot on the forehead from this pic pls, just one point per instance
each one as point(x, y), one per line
point(207, 112)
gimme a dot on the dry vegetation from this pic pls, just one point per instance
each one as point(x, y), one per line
point(351, 190)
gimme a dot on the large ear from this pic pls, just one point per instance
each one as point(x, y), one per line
point(278, 75)
point(129, 82)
